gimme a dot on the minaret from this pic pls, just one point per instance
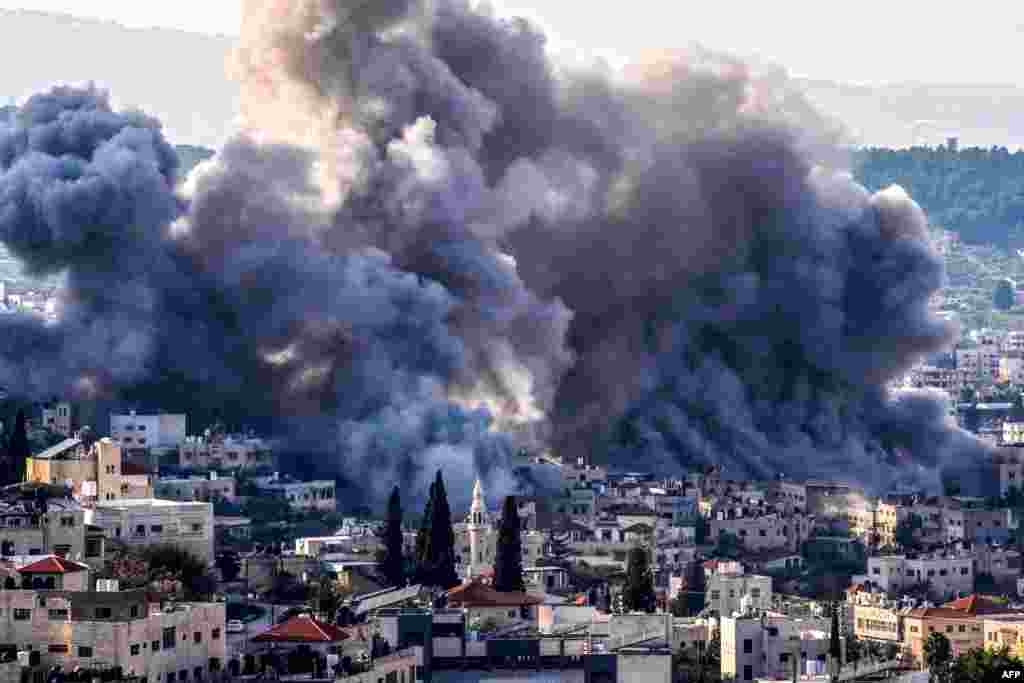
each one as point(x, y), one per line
point(477, 523)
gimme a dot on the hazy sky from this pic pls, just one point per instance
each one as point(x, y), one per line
point(866, 41)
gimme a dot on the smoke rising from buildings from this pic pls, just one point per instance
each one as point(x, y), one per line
point(428, 241)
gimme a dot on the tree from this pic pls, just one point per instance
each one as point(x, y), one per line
point(638, 594)
point(1004, 296)
point(508, 559)
point(700, 529)
point(983, 664)
point(229, 566)
point(729, 546)
point(393, 566)
point(696, 586)
point(938, 656)
point(423, 539)
point(268, 509)
point(19, 448)
point(189, 569)
point(835, 651)
point(442, 538)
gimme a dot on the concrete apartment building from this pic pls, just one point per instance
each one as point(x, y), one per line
point(161, 432)
point(753, 649)
point(760, 532)
point(214, 451)
point(208, 488)
point(58, 417)
point(148, 521)
point(300, 495)
point(946, 575)
point(976, 524)
point(94, 473)
point(878, 623)
point(88, 628)
point(725, 592)
point(61, 530)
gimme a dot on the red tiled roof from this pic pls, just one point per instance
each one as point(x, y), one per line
point(970, 606)
point(476, 594)
point(302, 629)
point(53, 565)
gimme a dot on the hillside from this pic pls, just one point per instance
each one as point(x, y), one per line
point(978, 193)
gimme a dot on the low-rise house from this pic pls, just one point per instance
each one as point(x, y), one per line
point(483, 603)
point(961, 621)
point(300, 495)
point(305, 631)
point(209, 488)
point(151, 521)
point(228, 529)
point(219, 451)
point(760, 532)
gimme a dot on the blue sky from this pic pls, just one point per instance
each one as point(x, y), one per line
point(868, 41)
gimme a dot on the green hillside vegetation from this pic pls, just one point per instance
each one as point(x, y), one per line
point(976, 192)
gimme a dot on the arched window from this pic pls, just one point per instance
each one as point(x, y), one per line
point(37, 582)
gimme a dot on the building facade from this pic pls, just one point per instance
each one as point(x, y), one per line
point(141, 522)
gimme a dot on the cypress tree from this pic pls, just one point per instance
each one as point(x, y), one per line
point(834, 648)
point(508, 559)
point(638, 595)
point(19, 448)
point(696, 585)
point(394, 560)
point(423, 567)
point(442, 539)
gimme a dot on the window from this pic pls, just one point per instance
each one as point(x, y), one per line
point(58, 648)
point(949, 629)
point(170, 639)
point(748, 646)
point(196, 528)
point(61, 550)
point(913, 629)
point(215, 634)
point(876, 570)
point(84, 651)
point(58, 615)
point(198, 637)
point(170, 677)
point(103, 612)
point(183, 674)
point(136, 650)
point(963, 571)
point(197, 673)
point(140, 530)
point(748, 672)
point(755, 592)
point(157, 528)
point(134, 611)
point(22, 614)
point(963, 628)
point(67, 521)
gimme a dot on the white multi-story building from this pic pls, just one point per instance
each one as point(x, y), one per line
point(146, 432)
point(149, 521)
point(945, 575)
point(753, 649)
point(726, 591)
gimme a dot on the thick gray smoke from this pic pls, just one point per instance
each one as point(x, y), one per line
point(428, 238)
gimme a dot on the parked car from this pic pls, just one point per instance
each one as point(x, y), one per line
point(236, 626)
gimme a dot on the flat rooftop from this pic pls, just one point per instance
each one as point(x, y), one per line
point(135, 503)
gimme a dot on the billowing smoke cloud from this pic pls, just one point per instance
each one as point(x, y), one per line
point(429, 243)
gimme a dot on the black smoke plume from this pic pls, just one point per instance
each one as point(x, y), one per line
point(429, 244)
